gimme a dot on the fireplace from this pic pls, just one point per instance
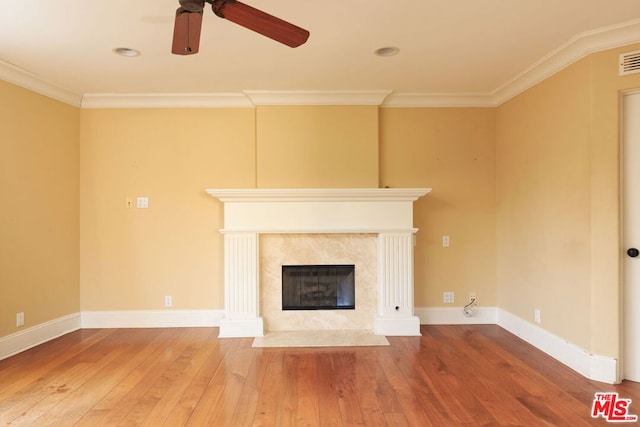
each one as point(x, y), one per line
point(318, 287)
point(256, 220)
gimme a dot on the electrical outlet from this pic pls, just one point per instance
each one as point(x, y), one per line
point(536, 315)
point(168, 301)
point(473, 298)
point(447, 297)
point(20, 319)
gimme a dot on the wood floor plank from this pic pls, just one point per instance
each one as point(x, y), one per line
point(289, 397)
point(246, 406)
point(148, 382)
point(370, 382)
point(168, 390)
point(144, 355)
point(223, 391)
point(346, 388)
point(502, 383)
point(38, 398)
point(105, 379)
point(307, 406)
point(35, 364)
point(328, 405)
point(271, 392)
point(414, 404)
point(468, 375)
point(190, 399)
point(495, 392)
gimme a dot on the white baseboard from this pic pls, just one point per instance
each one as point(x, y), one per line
point(151, 318)
point(39, 334)
point(396, 326)
point(455, 316)
point(36, 335)
point(592, 366)
point(236, 328)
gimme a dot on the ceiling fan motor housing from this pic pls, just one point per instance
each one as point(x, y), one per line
point(192, 5)
point(188, 22)
point(218, 7)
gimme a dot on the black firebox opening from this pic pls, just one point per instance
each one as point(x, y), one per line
point(318, 287)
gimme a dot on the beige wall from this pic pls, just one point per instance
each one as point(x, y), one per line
point(557, 169)
point(544, 203)
point(317, 146)
point(131, 258)
point(451, 150)
point(39, 215)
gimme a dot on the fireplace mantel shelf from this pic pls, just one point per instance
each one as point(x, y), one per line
point(318, 194)
point(340, 210)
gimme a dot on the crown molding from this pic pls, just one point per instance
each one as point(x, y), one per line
point(165, 100)
point(317, 97)
point(574, 49)
point(571, 51)
point(246, 99)
point(407, 100)
point(28, 80)
point(566, 54)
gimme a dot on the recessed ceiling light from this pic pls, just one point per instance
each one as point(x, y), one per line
point(125, 51)
point(387, 51)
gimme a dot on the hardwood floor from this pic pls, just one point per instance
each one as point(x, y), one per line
point(452, 375)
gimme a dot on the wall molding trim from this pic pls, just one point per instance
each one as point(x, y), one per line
point(317, 97)
point(592, 366)
point(166, 100)
point(151, 318)
point(422, 100)
point(572, 50)
point(27, 80)
point(455, 316)
point(38, 334)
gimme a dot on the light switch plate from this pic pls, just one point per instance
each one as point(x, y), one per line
point(142, 202)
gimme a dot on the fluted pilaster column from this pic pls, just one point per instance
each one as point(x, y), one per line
point(395, 286)
point(241, 288)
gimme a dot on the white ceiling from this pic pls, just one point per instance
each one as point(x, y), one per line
point(447, 47)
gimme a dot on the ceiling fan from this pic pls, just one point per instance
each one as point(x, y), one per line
point(186, 32)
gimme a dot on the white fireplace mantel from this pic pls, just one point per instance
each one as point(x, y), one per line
point(387, 212)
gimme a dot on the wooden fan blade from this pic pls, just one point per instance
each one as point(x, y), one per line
point(260, 22)
point(186, 32)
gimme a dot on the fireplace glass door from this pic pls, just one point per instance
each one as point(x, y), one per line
point(318, 287)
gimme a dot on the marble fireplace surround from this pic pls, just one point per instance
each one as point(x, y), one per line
point(384, 212)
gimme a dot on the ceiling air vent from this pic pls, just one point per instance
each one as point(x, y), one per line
point(629, 63)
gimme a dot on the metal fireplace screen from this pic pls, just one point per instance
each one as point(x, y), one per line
point(318, 287)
